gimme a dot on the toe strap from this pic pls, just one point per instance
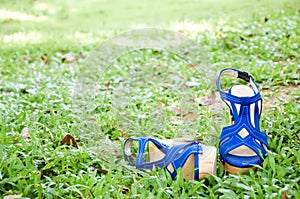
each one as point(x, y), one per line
point(230, 140)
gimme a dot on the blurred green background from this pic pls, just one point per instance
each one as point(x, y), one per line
point(37, 21)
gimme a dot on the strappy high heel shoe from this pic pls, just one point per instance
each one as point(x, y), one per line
point(188, 156)
point(242, 145)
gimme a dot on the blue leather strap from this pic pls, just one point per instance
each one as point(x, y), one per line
point(196, 149)
point(240, 100)
point(141, 150)
point(196, 166)
point(242, 75)
point(176, 155)
point(165, 161)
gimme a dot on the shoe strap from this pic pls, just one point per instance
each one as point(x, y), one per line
point(142, 144)
point(231, 140)
point(177, 155)
point(174, 153)
point(196, 149)
point(241, 75)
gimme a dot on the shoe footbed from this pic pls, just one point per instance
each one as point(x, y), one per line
point(207, 160)
point(243, 91)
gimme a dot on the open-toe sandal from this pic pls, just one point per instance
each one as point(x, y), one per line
point(242, 145)
point(146, 153)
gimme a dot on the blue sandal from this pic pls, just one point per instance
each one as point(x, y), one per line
point(185, 156)
point(242, 145)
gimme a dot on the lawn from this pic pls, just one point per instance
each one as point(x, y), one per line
point(54, 83)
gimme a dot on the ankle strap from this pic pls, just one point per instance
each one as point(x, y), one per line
point(244, 76)
point(142, 146)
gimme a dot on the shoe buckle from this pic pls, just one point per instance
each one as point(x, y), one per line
point(244, 75)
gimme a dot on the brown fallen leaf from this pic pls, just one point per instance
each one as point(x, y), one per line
point(176, 120)
point(285, 196)
point(27, 58)
point(190, 116)
point(192, 66)
point(203, 101)
point(67, 141)
point(45, 59)
point(178, 111)
point(13, 196)
point(183, 31)
point(252, 35)
point(160, 103)
point(100, 171)
point(207, 100)
point(25, 133)
point(118, 127)
point(214, 82)
point(107, 84)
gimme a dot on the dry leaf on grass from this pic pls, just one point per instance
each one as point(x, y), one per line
point(160, 103)
point(271, 96)
point(25, 133)
point(27, 58)
point(45, 59)
point(67, 141)
point(190, 116)
point(176, 120)
point(192, 66)
point(118, 127)
point(206, 100)
point(100, 171)
point(107, 84)
point(285, 196)
point(203, 101)
point(13, 196)
point(213, 100)
point(178, 111)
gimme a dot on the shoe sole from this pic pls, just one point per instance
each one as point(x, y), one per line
point(237, 170)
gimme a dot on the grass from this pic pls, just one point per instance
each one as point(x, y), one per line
point(44, 54)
